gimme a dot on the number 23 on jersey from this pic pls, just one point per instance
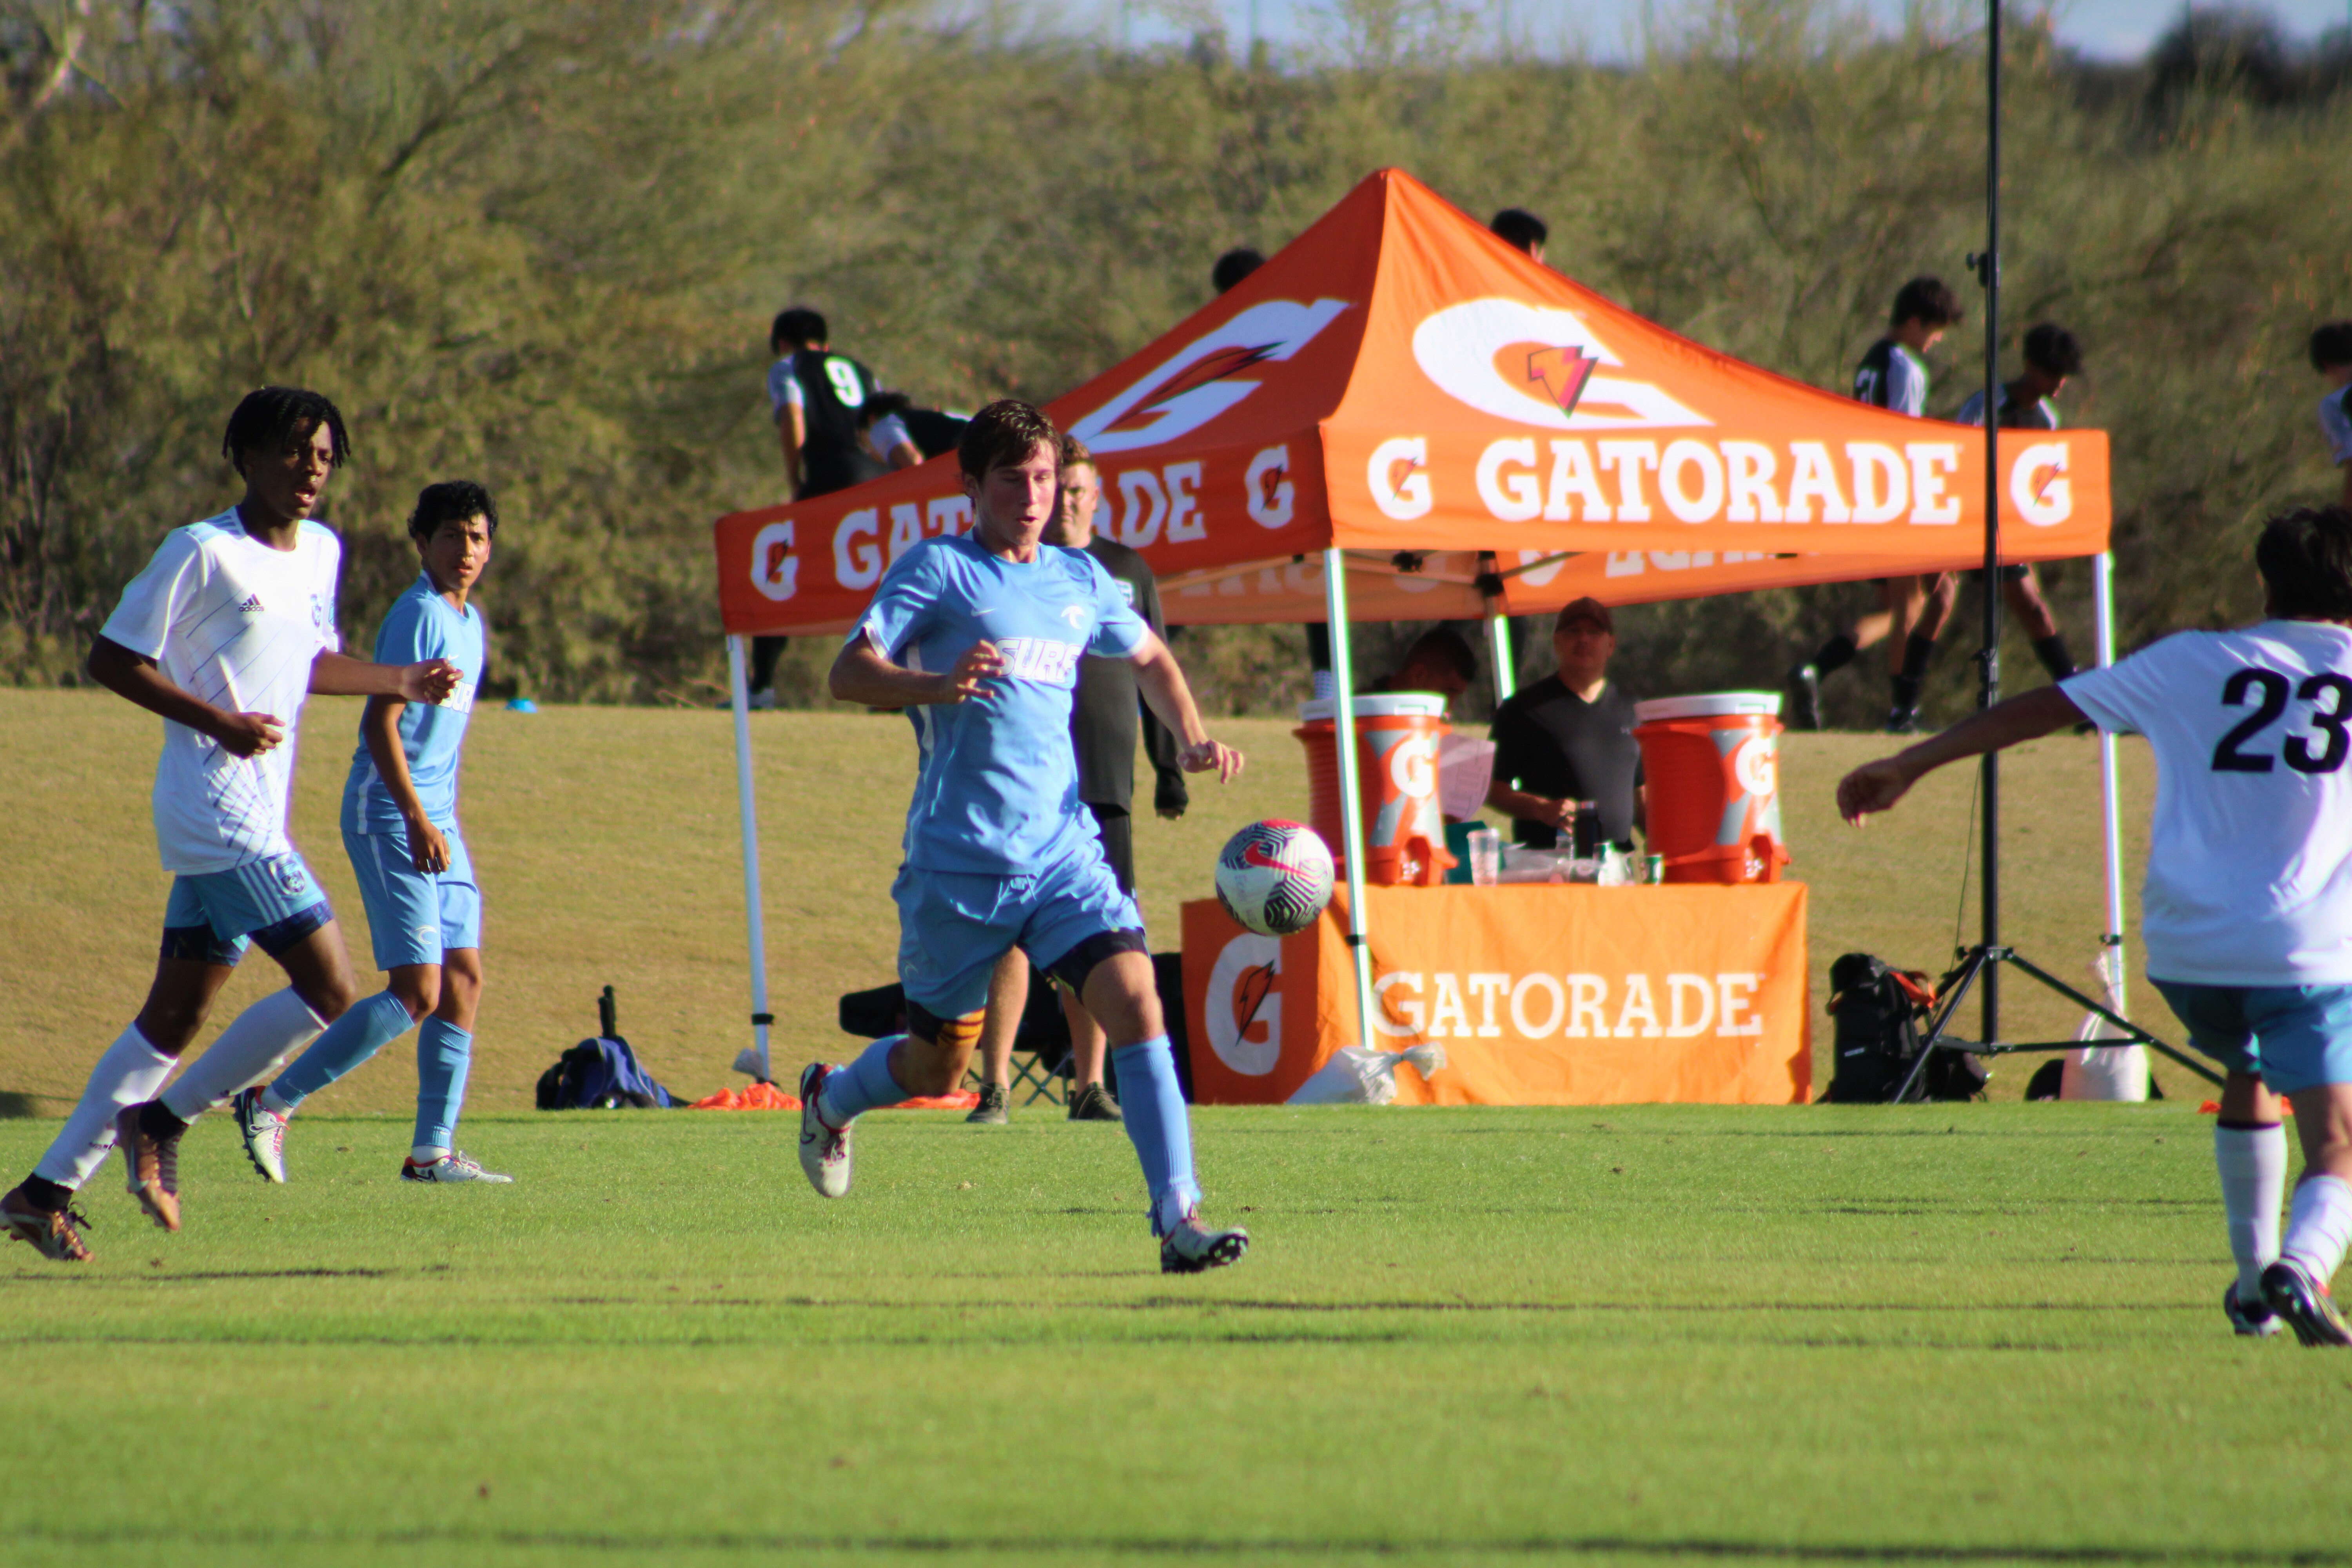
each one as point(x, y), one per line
point(2244, 749)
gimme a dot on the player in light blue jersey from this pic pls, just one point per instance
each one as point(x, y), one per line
point(979, 636)
point(400, 829)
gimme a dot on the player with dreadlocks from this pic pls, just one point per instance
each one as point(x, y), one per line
point(221, 635)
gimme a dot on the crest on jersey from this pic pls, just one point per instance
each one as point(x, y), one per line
point(1076, 615)
point(1205, 377)
point(1538, 366)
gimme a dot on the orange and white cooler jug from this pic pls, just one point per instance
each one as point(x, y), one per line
point(1712, 766)
point(1397, 736)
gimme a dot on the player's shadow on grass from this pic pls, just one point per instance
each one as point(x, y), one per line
point(17, 1107)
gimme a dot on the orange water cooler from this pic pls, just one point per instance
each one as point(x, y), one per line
point(1713, 767)
point(1397, 737)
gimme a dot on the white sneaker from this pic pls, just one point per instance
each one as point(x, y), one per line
point(264, 1132)
point(824, 1151)
point(457, 1166)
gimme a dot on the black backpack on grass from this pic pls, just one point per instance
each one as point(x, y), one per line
point(1878, 1012)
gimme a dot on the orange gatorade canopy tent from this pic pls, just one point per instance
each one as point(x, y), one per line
point(1399, 416)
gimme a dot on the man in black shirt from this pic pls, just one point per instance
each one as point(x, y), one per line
point(1104, 714)
point(813, 395)
point(1569, 737)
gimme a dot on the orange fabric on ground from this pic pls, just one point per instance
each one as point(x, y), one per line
point(756, 1097)
point(1540, 994)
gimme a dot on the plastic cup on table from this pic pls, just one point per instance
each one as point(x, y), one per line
point(1485, 857)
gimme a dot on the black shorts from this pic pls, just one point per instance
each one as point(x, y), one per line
point(1117, 842)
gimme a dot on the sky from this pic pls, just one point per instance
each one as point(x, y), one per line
point(2106, 29)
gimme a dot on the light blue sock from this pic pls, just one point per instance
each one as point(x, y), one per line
point(444, 1051)
point(864, 1085)
point(1158, 1126)
point(349, 1040)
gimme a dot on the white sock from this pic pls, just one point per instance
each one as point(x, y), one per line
point(2319, 1224)
point(129, 1074)
point(255, 1041)
point(275, 1105)
point(2252, 1162)
point(425, 1154)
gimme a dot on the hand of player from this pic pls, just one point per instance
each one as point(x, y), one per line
point(969, 678)
point(1211, 756)
point(1873, 786)
point(427, 850)
point(431, 681)
point(248, 734)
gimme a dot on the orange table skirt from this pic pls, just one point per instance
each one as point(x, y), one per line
point(1541, 995)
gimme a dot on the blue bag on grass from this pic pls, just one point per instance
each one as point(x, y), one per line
point(601, 1074)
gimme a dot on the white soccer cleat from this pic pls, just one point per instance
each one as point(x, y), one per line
point(264, 1132)
point(457, 1166)
point(824, 1150)
point(1192, 1248)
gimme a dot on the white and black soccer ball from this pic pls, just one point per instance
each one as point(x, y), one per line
point(1275, 877)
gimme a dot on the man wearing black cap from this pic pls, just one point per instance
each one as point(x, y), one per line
point(1569, 737)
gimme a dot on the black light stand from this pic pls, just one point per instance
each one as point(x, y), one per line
point(1980, 965)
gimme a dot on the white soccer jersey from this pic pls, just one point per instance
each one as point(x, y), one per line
point(2336, 425)
point(2250, 860)
point(236, 624)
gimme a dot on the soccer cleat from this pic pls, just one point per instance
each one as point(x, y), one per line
point(264, 1132)
point(457, 1166)
point(824, 1151)
point(2252, 1320)
point(1802, 686)
point(154, 1167)
point(1094, 1103)
point(2305, 1303)
point(52, 1233)
point(1192, 1248)
point(1903, 720)
point(995, 1107)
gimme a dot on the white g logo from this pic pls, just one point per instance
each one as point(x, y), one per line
point(775, 570)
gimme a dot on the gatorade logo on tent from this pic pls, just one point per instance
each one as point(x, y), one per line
point(1538, 367)
point(1204, 379)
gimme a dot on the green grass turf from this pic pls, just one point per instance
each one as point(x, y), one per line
point(1984, 1332)
point(607, 841)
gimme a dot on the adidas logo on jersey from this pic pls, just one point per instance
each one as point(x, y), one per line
point(252, 605)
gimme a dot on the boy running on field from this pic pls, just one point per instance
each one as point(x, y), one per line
point(400, 829)
point(2249, 894)
point(2052, 357)
point(979, 635)
point(222, 634)
point(1893, 377)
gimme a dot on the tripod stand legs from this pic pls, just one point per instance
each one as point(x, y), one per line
point(1979, 962)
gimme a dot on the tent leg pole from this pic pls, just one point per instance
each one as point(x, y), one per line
point(1351, 800)
point(754, 1061)
point(2103, 601)
point(1498, 648)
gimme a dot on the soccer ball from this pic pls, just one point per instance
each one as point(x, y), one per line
point(1275, 877)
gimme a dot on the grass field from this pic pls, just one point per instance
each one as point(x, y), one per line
point(1982, 1333)
point(606, 838)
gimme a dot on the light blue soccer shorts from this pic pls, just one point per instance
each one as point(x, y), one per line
point(415, 917)
point(2292, 1037)
point(953, 926)
point(275, 901)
